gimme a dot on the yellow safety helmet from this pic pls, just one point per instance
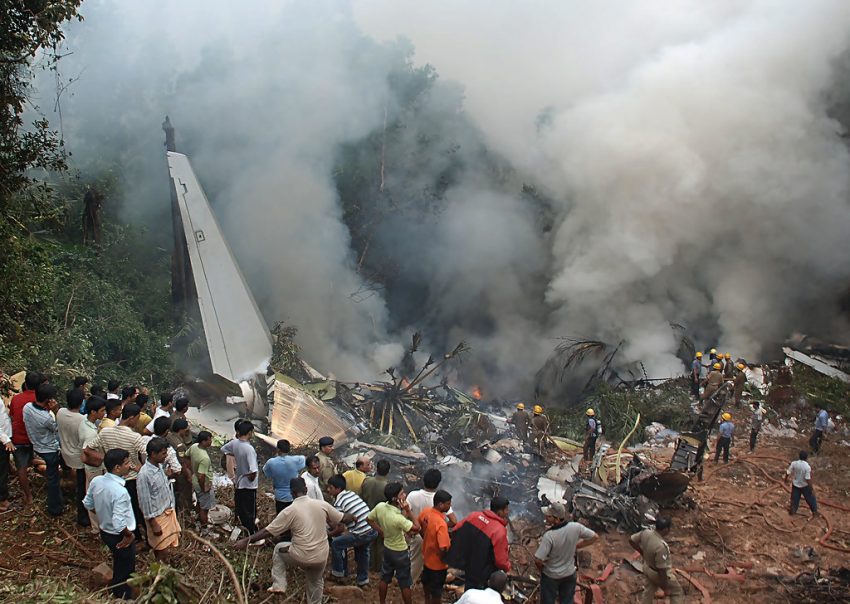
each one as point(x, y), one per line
point(716, 366)
point(538, 409)
point(590, 412)
point(713, 351)
point(699, 355)
point(520, 406)
point(741, 366)
point(726, 416)
point(728, 356)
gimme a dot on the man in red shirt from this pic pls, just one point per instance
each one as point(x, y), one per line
point(23, 447)
point(480, 544)
point(435, 543)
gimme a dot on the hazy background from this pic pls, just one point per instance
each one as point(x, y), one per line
point(605, 168)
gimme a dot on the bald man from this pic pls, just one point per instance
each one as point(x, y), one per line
point(354, 478)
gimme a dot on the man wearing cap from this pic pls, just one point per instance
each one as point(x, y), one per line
point(657, 565)
point(590, 435)
point(539, 428)
point(327, 465)
point(724, 440)
point(520, 420)
point(696, 373)
point(555, 556)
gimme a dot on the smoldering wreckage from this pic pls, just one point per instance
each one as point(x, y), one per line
point(417, 419)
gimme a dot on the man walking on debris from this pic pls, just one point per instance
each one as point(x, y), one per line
point(724, 438)
point(435, 544)
point(392, 520)
point(657, 565)
point(110, 500)
point(755, 424)
point(520, 421)
point(591, 433)
point(555, 556)
point(480, 544)
point(327, 464)
point(307, 520)
point(696, 373)
point(539, 429)
point(282, 469)
point(801, 484)
point(420, 500)
point(354, 532)
point(712, 382)
point(738, 382)
point(245, 485)
point(821, 424)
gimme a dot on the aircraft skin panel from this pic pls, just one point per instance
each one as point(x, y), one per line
point(237, 336)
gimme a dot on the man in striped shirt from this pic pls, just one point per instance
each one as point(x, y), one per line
point(354, 531)
point(122, 436)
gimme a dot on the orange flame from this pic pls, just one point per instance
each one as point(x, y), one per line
point(476, 393)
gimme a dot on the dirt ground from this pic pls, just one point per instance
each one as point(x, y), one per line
point(737, 526)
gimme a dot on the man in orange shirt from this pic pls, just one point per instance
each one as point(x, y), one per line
point(435, 543)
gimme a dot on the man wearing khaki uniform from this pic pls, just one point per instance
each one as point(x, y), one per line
point(657, 566)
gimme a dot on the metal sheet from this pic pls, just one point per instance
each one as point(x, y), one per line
point(301, 418)
point(237, 337)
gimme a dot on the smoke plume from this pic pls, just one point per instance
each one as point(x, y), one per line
point(623, 167)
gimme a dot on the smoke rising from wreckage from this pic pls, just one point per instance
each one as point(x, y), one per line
point(694, 176)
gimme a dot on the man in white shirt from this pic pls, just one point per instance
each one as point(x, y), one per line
point(491, 595)
point(801, 484)
point(311, 478)
point(6, 448)
point(245, 493)
point(420, 500)
point(166, 406)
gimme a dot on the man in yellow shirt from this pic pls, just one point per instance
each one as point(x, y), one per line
point(354, 478)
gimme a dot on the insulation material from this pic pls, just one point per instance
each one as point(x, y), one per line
point(301, 418)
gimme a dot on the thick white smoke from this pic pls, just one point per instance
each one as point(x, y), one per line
point(692, 172)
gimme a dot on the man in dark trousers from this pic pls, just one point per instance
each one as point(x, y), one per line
point(801, 484)
point(555, 556)
point(480, 544)
point(245, 495)
point(108, 498)
point(724, 438)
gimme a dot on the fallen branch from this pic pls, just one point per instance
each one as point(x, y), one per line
point(240, 596)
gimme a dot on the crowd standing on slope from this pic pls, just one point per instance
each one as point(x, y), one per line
point(134, 466)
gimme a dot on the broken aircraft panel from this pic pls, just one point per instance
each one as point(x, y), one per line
point(237, 337)
point(302, 418)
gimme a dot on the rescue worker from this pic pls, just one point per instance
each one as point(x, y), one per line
point(728, 366)
point(712, 382)
point(696, 373)
point(738, 382)
point(521, 420)
point(657, 565)
point(327, 465)
point(755, 424)
point(539, 429)
point(712, 357)
point(591, 433)
point(724, 439)
point(821, 424)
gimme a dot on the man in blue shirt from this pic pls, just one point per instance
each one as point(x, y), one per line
point(281, 470)
point(821, 424)
point(44, 435)
point(108, 498)
point(724, 440)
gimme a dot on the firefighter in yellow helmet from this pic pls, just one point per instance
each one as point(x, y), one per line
point(739, 380)
point(592, 430)
point(539, 429)
point(713, 381)
point(724, 438)
point(696, 373)
point(520, 420)
point(728, 367)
